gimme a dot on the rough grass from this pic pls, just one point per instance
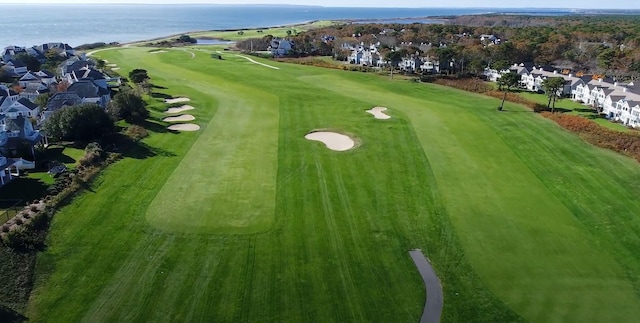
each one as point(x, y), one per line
point(521, 220)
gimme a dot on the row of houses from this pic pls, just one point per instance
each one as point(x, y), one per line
point(618, 101)
point(369, 55)
point(77, 82)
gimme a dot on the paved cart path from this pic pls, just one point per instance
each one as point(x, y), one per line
point(433, 304)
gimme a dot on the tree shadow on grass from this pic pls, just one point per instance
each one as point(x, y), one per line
point(561, 110)
point(24, 188)
point(158, 87)
point(57, 153)
point(8, 315)
point(585, 110)
point(154, 126)
point(159, 95)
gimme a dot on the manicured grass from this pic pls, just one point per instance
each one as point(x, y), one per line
point(259, 33)
point(575, 108)
point(521, 220)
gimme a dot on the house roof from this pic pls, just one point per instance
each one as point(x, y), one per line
point(16, 63)
point(29, 76)
point(633, 103)
point(44, 74)
point(62, 99)
point(28, 104)
point(71, 65)
point(616, 98)
point(15, 124)
point(88, 73)
point(36, 88)
point(87, 89)
point(607, 91)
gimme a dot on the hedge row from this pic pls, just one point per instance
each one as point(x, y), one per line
point(627, 143)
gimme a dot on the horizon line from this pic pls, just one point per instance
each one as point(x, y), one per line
point(300, 5)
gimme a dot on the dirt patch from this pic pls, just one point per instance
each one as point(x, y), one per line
point(179, 109)
point(180, 118)
point(378, 113)
point(333, 140)
point(176, 100)
point(184, 127)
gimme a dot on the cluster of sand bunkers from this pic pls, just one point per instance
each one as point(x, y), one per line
point(340, 142)
point(178, 119)
point(114, 67)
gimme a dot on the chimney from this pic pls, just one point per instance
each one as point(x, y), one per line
point(555, 72)
point(570, 75)
point(624, 90)
point(615, 84)
point(600, 79)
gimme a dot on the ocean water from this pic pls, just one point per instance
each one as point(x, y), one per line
point(31, 24)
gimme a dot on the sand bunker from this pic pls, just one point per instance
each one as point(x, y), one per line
point(158, 52)
point(112, 65)
point(115, 68)
point(180, 118)
point(378, 113)
point(179, 109)
point(177, 100)
point(332, 140)
point(184, 127)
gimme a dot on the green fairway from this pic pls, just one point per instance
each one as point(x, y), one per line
point(247, 221)
point(259, 33)
point(227, 180)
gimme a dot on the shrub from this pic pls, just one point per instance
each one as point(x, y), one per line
point(78, 123)
point(136, 132)
point(128, 106)
point(627, 143)
point(4, 228)
point(469, 84)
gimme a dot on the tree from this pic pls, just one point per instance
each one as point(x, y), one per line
point(507, 81)
point(393, 57)
point(31, 62)
point(129, 107)
point(42, 100)
point(138, 76)
point(100, 64)
point(552, 87)
point(81, 122)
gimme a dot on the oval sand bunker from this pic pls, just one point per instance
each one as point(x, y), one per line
point(179, 109)
point(184, 127)
point(378, 113)
point(332, 140)
point(177, 100)
point(180, 118)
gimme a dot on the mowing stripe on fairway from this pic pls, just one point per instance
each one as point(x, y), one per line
point(524, 243)
point(226, 183)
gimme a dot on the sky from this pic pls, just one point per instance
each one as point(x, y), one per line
point(577, 4)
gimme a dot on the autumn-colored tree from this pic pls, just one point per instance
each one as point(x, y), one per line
point(62, 86)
